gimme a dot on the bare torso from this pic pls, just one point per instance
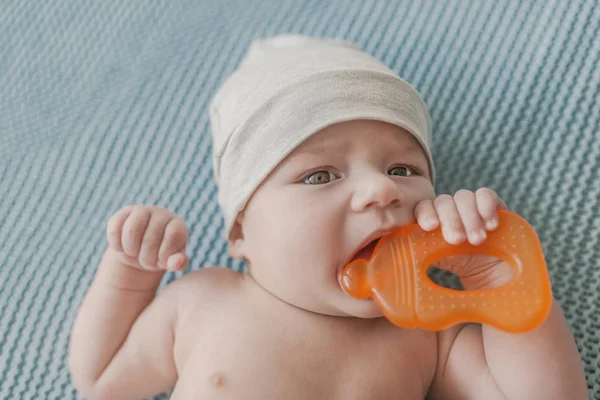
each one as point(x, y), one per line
point(248, 344)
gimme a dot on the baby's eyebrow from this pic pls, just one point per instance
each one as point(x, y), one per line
point(404, 149)
point(413, 148)
point(321, 148)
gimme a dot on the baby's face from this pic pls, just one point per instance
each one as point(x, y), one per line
point(314, 212)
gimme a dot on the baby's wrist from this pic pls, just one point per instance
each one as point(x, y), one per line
point(478, 272)
point(486, 280)
point(113, 272)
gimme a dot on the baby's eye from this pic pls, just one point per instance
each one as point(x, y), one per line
point(401, 170)
point(319, 177)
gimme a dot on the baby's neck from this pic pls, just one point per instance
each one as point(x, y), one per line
point(264, 299)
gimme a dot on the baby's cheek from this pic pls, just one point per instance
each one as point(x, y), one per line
point(425, 191)
point(306, 249)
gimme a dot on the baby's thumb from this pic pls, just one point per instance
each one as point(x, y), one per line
point(177, 262)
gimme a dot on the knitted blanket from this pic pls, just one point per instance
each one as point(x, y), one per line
point(104, 104)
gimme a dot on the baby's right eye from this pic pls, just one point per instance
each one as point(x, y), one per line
point(320, 177)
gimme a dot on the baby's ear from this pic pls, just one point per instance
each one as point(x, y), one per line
point(236, 238)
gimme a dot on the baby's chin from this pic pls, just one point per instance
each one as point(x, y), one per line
point(359, 308)
point(342, 305)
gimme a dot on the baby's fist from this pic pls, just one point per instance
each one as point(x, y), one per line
point(148, 238)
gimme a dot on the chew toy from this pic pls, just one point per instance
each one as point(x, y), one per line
point(396, 278)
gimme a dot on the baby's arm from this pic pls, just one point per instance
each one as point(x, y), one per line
point(477, 362)
point(122, 341)
point(482, 362)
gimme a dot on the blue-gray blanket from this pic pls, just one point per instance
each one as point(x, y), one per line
point(104, 104)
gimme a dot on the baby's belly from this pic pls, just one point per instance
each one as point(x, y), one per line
point(243, 365)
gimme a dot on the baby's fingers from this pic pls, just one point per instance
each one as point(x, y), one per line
point(426, 216)
point(174, 241)
point(488, 204)
point(178, 262)
point(469, 214)
point(133, 230)
point(114, 228)
point(153, 238)
point(450, 220)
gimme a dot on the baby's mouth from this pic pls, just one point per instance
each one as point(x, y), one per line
point(366, 252)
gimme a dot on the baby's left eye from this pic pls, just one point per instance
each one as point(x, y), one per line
point(401, 170)
point(320, 177)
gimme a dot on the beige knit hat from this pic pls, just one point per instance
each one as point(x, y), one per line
point(288, 88)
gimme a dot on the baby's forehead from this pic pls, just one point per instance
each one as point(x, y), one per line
point(342, 137)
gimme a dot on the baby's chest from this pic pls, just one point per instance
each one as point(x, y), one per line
point(247, 360)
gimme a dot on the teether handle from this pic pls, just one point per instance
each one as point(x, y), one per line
point(396, 278)
point(517, 306)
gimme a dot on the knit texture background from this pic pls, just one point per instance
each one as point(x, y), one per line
point(104, 104)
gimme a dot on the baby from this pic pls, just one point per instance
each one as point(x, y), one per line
point(319, 149)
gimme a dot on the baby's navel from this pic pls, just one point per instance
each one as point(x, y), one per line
point(217, 380)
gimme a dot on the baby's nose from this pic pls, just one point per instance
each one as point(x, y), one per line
point(376, 190)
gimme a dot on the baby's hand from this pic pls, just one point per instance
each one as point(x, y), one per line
point(467, 216)
point(148, 238)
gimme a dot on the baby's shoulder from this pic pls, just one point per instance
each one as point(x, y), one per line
point(199, 293)
point(208, 281)
point(200, 297)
